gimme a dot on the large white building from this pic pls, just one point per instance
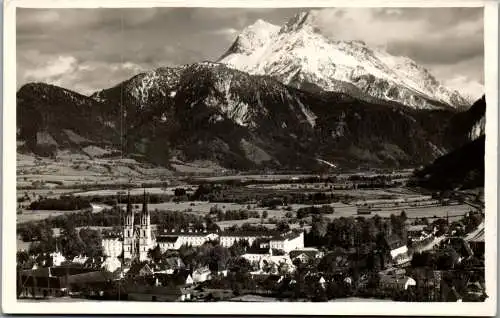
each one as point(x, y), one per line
point(288, 242)
point(227, 239)
point(174, 240)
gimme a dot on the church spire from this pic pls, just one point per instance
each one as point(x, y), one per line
point(145, 218)
point(145, 203)
point(129, 205)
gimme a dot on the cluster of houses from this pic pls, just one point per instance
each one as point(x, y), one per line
point(113, 247)
point(126, 261)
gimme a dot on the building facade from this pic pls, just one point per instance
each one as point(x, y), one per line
point(288, 242)
point(136, 239)
point(112, 247)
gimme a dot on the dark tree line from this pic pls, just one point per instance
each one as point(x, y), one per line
point(313, 210)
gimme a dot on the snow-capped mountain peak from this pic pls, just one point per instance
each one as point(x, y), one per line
point(298, 54)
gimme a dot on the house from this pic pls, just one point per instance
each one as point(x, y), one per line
point(223, 273)
point(305, 255)
point(139, 270)
point(201, 275)
point(170, 265)
point(288, 242)
point(398, 251)
point(57, 258)
point(415, 232)
point(178, 278)
point(254, 255)
point(55, 281)
point(80, 259)
point(270, 263)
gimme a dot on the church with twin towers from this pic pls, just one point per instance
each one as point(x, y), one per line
point(137, 238)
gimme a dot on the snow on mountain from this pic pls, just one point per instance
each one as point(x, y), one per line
point(478, 129)
point(298, 54)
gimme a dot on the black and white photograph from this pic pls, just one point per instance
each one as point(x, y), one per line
point(287, 156)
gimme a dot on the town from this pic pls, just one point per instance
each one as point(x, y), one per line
point(300, 238)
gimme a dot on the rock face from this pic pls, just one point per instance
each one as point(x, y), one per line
point(463, 166)
point(298, 54)
point(208, 111)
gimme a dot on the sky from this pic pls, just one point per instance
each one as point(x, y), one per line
point(86, 50)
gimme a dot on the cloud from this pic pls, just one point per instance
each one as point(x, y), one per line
point(98, 48)
point(447, 41)
point(67, 71)
point(468, 88)
point(430, 35)
point(225, 31)
point(53, 69)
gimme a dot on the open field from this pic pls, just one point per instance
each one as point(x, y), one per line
point(203, 207)
point(39, 215)
point(73, 170)
point(136, 191)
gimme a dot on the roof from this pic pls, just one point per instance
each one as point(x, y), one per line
point(91, 277)
point(248, 233)
point(177, 279)
point(310, 253)
point(167, 239)
point(138, 267)
point(201, 270)
point(186, 233)
point(288, 236)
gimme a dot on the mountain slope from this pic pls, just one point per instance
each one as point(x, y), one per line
point(467, 126)
point(298, 54)
point(463, 166)
point(50, 117)
point(207, 111)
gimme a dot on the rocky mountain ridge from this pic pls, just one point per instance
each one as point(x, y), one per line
point(208, 111)
point(298, 54)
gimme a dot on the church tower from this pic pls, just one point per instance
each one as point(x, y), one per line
point(128, 231)
point(145, 239)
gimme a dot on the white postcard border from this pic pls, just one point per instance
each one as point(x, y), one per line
point(9, 301)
